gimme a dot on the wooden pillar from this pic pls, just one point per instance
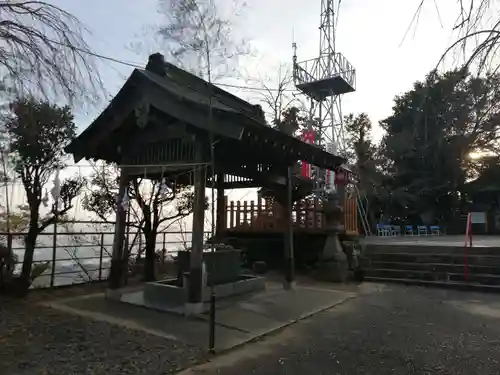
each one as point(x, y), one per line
point(341, 194)
point(195, 287)
point(221, 208)
point(289, 282)
point(118, 268)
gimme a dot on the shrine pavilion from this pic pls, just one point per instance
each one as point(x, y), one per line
point(166, 123)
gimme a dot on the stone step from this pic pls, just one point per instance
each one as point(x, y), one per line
point(438, 284)
point(433, 267)
point(486, 279)
point(427, 249)
point(473, 259)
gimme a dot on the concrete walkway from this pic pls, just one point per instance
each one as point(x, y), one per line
point(396, 330)
point(238, 320)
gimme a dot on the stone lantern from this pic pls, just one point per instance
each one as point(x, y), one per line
point(333, 264)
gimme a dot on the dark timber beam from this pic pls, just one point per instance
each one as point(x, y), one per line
point(221, 207)
point(259, 173)
point(195, 287)
point(118, 261)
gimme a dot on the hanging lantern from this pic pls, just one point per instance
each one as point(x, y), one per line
point(125, 201)
point(45, 200)
point(163, 187)
point(341, 178)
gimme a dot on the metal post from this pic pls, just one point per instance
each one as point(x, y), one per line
point(221, 209)
point(101, 253)
point(54, 250)
point(164, 249)
point(139, 256)
point(9, 243)
point(289, 252)
point(215, 233)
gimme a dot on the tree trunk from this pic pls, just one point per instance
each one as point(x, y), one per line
point(29, 252)
point(150, 258)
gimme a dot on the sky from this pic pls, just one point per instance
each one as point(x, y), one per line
point(369, 34)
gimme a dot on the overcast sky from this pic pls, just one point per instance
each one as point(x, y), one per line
point(369, 35)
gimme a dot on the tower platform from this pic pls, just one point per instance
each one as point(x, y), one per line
point(318, 80)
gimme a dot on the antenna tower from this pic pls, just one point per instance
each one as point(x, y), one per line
point(324, 80)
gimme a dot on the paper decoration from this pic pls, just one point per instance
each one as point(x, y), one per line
point(125, 201)
point(307, 137)
point(163, 187)
point(45, 200)
point(56, 190)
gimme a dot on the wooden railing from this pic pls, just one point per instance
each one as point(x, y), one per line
point(266, 215)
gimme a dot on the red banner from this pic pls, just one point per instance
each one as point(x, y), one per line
point(307, 137)
point(341, 178)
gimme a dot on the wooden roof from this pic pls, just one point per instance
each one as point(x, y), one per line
point(182, 98)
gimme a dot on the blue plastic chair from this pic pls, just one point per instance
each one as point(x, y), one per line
point(382, 230)
point(435, 230)
point(422, 230)
point(409, 230)
point(395, 230)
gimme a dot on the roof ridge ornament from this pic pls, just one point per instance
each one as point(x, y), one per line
point(156, 64)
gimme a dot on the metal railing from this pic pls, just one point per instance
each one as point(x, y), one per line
point(317, 69)
point(85, 256)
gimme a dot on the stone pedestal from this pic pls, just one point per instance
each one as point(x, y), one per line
point(333, 263)
point(193, 308)
point(289, 285)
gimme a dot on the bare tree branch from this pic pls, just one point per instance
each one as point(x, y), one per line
point(192, 28)
point(278, 100)
point(154, 203)
point(43, 52)
point(477, 27)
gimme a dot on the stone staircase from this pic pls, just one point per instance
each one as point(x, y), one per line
point(433, 265)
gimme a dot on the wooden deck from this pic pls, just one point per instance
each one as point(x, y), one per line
point(266, 215)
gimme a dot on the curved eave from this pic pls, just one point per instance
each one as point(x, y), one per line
point(293, 148)
point(107, 121)
point(237, 125)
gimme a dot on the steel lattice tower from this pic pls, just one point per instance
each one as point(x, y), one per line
point(325, 80)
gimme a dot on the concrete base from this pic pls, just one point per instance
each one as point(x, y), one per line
point(166, 292)
point(238, 320)
point(332, 271)
point(289, 285)
point(193, 308)
point(165, 295)
point(113, 294)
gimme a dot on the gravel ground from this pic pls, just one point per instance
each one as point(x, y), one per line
point(395, 330)
point(38, 340)
point(399, 330)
